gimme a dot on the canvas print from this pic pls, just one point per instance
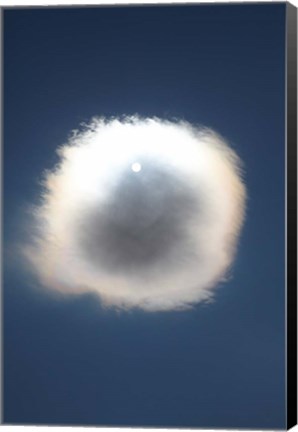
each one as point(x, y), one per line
point(145, 180)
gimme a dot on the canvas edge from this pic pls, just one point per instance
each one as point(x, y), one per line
point(291, 221)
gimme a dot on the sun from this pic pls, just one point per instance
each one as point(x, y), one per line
point(136, 167)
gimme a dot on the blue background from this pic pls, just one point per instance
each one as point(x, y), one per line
point(69, 361)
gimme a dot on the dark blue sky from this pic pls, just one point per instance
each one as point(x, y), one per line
point(218, 365)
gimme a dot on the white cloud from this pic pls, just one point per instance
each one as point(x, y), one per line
point(144, 212)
